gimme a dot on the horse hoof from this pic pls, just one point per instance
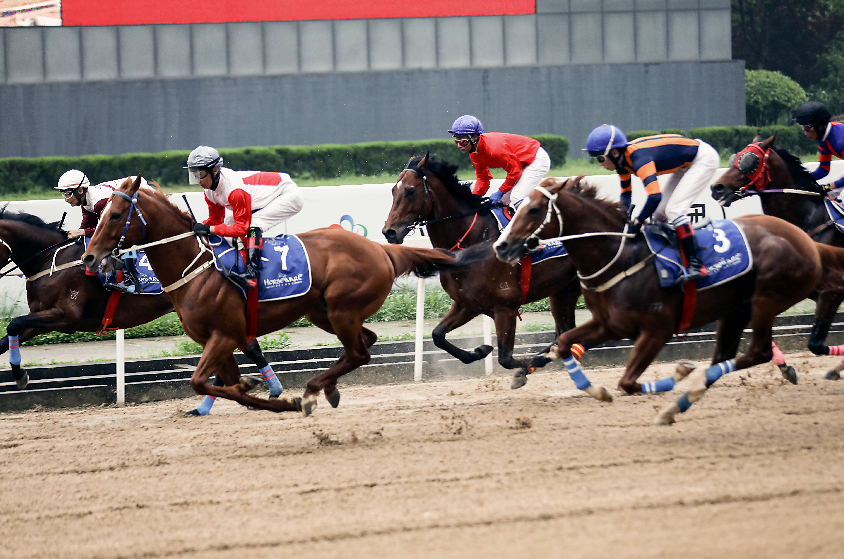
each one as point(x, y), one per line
point(308, 404)
point(192, 413)
point(666, 415)
point(600, 393)
point(248, 383)
point(23, 381)
point(519, 379)
point(333, 398)
point(789, 373)
point(482, 351)
point(832, 375)
point(298, 403)
point(683, 369)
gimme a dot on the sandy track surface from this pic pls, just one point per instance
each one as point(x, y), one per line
point(450, 469)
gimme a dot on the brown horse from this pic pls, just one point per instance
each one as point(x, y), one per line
point(788, 191)
point(428, 193)
point(351, 277)
point(625, 296)
point(61, 297)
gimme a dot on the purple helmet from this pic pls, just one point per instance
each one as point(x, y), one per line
point(604, 138)
point(467, 124)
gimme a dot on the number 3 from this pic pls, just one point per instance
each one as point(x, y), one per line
point(722, 243)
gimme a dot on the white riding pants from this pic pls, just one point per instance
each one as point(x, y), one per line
point(280, 209)
point(532, 175)
point(685, 185)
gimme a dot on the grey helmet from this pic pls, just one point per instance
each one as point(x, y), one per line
point(203, 157)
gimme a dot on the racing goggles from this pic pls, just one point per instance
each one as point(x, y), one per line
point(807, 127)
point(599, 156)
point(462, 143)
point(67, 192)
point(195, 173)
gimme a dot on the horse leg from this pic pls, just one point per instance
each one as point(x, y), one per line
point(354, 338)
point(252, 350)
point(827, 305)
point(645, 349)
point(457, 316)
point(217, 357)
point(759, 351)
point(563, 305)
point(26, 327)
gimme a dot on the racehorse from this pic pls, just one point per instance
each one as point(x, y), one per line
point(351, 277)
point(428, 193)
point(624, 294)
point(788, 191)
point(61, 297)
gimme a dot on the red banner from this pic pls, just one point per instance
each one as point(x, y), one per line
point(145, 12)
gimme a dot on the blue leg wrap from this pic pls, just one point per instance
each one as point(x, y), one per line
point(662, 385)
point(205, 406)
point(272, 381)
point(14, 351)
point(683, 402)
point(576, 374)
point(718, 370)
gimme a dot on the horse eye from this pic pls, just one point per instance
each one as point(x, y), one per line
point(410, 192)
point(114, 216)
point(533, 211)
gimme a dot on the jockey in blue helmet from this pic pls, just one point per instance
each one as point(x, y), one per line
point(820, 126)
point(691, 164)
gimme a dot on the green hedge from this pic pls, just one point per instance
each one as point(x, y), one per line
point(324, 161)
point(732, 139)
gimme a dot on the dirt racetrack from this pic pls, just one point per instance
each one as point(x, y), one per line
point(447, 470)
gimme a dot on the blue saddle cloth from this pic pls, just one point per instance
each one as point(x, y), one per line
point(285, 267)
point(546, 251)
point(149, 281)
point(836, 213)
point(723, 250)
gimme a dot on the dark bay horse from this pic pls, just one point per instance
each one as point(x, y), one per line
point(428, 192)
point(788, 191)
point(61, 299)
point(351, 277)
point(625, 296)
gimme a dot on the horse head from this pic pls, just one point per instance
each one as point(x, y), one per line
point(411, 198)
point(537, 217)
point(748, 167)
point(116, 227)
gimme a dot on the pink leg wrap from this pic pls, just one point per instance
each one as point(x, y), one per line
point(779, 358)
point(836, 350)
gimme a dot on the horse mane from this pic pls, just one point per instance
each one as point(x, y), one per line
point(803, 179)
point(32, 220)
point(590, 192)
point(157, 193)
point(447, 174)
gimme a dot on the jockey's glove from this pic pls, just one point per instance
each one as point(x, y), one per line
point(635, 227)
point(496, 196)
point(201, 229)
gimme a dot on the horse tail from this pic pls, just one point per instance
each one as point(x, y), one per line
point(832, 263)
point(424, 262)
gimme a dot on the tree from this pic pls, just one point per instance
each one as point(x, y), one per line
point(770, 97)
point(830, 88)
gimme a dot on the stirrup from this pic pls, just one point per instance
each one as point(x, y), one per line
point(243, 282)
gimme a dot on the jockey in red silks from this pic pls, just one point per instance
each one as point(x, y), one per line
point(77, 190)
point(691, 162)
point(257, 201)
point(523, 158)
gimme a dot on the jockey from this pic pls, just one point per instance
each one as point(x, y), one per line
point(257, 201)
point(692, 163)
point(77, 190)
point(815, 119)
point(524, 160)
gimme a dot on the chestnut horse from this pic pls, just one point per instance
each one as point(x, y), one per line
point(623, 291)
point(788, 191)
point(61, 297)
point(351, 277)
point(428, 193)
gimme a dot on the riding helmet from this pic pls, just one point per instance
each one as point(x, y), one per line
point(813, 113)
point(604, 138)
point(466, 124)
point(72, 179)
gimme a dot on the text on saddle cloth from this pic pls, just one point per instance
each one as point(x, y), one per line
point(149, 281)
point(285, 267)
point(723, 250)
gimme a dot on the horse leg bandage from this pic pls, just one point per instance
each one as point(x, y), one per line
point(272, 381)
point(205, 407)
point(718, 370)
point(14, 351)
point(576, 374)
point(661, 385)
point(779, 358)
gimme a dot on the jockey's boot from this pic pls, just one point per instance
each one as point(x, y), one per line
point(125, 276)
point(695, 269)
point(254, 249)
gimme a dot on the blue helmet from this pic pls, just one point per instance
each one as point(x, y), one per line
point(467, 124)
point(604, 138)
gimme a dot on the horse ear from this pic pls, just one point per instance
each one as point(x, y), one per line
point(757, 138)
point(136, 184)
point(768, 143)
point(424, 160)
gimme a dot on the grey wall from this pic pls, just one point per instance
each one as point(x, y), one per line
point(640, 63)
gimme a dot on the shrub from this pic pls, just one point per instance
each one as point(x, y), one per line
point(770, 97)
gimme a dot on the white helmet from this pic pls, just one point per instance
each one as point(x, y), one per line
point(72, 179)
point(203, 157)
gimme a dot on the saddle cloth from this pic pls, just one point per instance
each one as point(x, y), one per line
point(836, 213)
point(546, 250)
point(149, 281)
point(723, 250)
point(285, 267)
